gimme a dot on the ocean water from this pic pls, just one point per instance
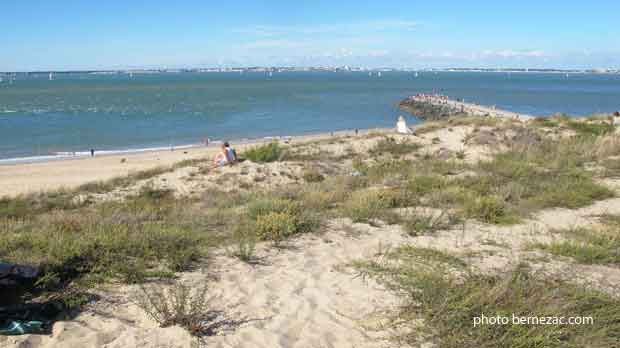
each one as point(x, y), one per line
point(77, 112)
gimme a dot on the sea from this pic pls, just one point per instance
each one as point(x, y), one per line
point(43, 118)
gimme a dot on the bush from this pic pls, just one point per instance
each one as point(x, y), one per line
point(276, 226)
point(364, 206)
point(276, 219)
point(393, 147)
point(179, 305)
point(423, 184)
point(264, 206)
point(420, 224)
point(266, 153)
point(244, 240)
point(489, 209)
point(313, 175)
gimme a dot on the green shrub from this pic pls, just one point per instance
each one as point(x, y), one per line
point(276, 226)
point(37, 203)
point(364, 206)
point(313, 175)
point(244, 242)
point(421, 185)
point(266, 153)
point(490, 209)
point(420, 224)
point(276, 219)
point(180, 305)
point(264, 206)
point(391, 146)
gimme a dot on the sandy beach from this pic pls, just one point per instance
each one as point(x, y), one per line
point(24, 178)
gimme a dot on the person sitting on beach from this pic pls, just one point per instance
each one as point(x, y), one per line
point(401, 126)
point(231, 154)
point(221, 158)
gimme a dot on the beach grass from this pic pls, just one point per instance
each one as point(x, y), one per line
point(592, 245)
point(445, 304)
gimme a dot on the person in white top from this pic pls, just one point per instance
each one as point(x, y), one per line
point(401, 126)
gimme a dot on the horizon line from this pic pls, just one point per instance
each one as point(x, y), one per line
point(289, 67)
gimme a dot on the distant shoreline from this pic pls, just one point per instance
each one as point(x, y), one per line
point(68, 173)
point(213, 144)
point(313, 69)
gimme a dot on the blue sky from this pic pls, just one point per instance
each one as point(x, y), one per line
point(63, 34)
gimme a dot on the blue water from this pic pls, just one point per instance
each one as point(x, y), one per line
point(112, 112)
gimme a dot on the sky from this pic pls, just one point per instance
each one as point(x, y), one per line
point(124, 34)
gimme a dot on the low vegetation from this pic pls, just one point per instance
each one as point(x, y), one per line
point(592, 245)
point(266, 153)
point(446, 305)
point(393, 147)
point(181, 305)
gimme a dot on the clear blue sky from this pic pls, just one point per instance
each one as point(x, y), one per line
point(80, 34)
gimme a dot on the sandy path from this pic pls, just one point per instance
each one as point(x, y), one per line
point(304, 297)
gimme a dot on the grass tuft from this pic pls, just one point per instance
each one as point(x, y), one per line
point(266, 153)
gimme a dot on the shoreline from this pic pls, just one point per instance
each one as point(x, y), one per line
point(77, 155)
point(70, 172)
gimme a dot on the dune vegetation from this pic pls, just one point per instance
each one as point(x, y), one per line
point(499, 173)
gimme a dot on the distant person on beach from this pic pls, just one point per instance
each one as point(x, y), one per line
point(92, 152)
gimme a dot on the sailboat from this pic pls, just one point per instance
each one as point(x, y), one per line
point(379, 74)
point(416, 74)
point(51, 76)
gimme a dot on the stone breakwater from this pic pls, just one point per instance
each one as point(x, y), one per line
point(435, 106)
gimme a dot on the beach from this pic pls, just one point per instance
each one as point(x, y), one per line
point(296, 246)
point(69, 173)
